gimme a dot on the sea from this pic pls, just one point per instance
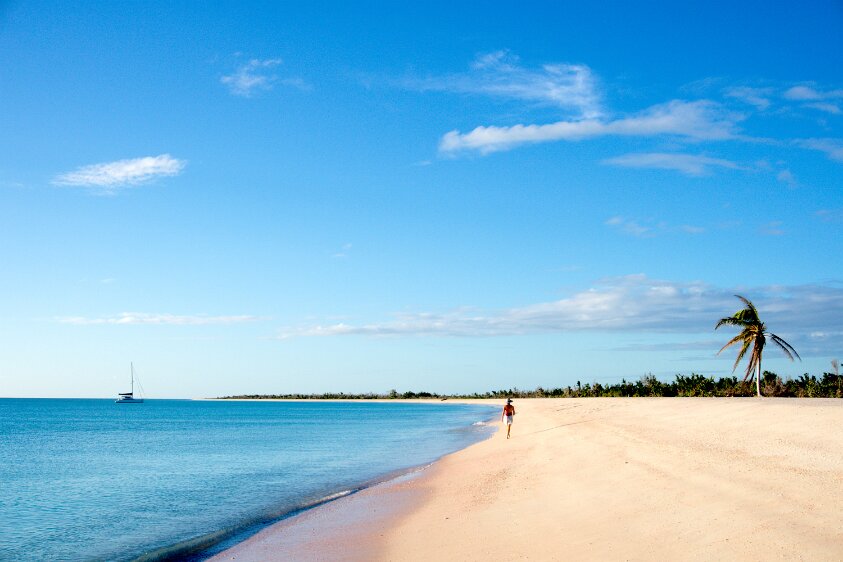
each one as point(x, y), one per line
point(88, 479)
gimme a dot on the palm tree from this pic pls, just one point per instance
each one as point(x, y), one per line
point(753, 334)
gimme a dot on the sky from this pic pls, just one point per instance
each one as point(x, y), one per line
point(247, 198)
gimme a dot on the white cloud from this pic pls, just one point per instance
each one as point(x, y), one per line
point(688, 164)
point(135, 318)
point(343, 253)
point(699, 345)
point(572, 87)
point(833, 148)
point(808, 93)
point(649, 228)
point(759, 97)
point(772, 228)
point(831, 215)
point(633, 303)
point(822, 100)
point(111, 176)
point(786, 176)
point(255, 75)
point(631, 227)
point(801, 93)
point(825, 106)
point(698, 120)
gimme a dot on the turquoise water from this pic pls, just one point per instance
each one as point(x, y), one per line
point(90, 479)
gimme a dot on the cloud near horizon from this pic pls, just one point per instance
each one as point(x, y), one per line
point(696, 120)
point(633, 303)
point(145, 318)
point(109, 177)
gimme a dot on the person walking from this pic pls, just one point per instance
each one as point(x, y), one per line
point(508, 413)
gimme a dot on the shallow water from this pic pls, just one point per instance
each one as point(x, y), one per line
point(90, 479)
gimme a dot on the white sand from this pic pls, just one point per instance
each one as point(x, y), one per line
point(606, 479)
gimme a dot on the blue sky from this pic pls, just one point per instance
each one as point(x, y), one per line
point(358, 197)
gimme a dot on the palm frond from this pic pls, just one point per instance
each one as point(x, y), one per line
point(741, 353)
point(730, 321)
point(745, 317)
point(750, 308)
point(739, 338)
point(786, 347)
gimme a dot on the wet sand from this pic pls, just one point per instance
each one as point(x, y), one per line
point(603, 479)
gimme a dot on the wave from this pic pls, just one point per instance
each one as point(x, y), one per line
point(205, 546)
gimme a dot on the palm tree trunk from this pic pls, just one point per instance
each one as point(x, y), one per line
point(758, 378)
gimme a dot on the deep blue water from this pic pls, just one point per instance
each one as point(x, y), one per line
point(91, 479)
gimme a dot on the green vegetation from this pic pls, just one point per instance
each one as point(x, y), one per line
point(755, 334)
point(829, 385)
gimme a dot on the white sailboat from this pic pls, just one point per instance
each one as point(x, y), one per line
point(129, 397)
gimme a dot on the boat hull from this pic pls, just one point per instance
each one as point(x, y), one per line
point(129, 401)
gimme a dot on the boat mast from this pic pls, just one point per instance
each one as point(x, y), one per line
point(132, 369)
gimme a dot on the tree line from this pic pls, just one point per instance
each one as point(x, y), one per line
point(828, 385)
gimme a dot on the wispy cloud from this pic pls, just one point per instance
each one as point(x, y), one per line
point(633, 303)
point(571, 87)
point(772, 228)
point(11, 185)
point(822, 100)
point(697, 120)
point(109, 177)
point(786, 176)
point(759, 97)
point(831, 215)
point(711, 345)
point(825, 106)
point(649, 228)
point(255, 75)
point(136, 318)
point(688, 164)
point(809, 93)
point(343, 253)
point(633, 228)
point(833, 148)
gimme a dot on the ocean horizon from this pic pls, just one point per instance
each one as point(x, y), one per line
point(88, 479)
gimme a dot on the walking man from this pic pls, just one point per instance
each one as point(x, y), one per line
point(508, 413)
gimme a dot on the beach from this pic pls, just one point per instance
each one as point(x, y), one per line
point(602, 479)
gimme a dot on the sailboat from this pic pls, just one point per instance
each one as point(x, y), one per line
point(129, 397)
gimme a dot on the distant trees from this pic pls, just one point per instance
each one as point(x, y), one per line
point(753, 334)
point(805, 386)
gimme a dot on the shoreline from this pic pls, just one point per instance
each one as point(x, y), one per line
point(334, 525)
point(617, 478)
point(221, 542)
point(330, 530)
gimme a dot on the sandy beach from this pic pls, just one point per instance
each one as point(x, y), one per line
point(602, 479)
